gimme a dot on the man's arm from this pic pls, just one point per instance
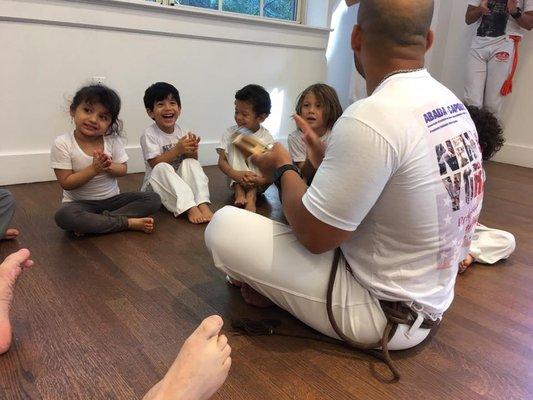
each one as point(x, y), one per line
point(474, 13)
point(526, 20)
point(351, 2)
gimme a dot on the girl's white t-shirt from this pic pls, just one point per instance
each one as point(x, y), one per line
point(67, 154)
point(297, 147)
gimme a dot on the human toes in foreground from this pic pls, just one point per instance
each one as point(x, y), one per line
point(463, 265)
point(10, 270)
point(200, 368)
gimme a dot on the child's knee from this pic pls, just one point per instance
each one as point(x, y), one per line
point(7, 200)
point(153, 202)
point(64, 217)
point(162, 168)
point(510, 241)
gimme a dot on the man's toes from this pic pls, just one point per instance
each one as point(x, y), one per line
point(210, 326)
point(19, 258)
point(222, 341)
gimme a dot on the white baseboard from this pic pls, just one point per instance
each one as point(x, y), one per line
point(35, 167)
point(515, 154)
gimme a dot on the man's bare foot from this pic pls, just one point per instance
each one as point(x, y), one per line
point(251, 198)
point(201, 367)
point(240, 196)
point(10, 269)
point(195, 216)
point(206, 211)
point(254, 298)
point(463, 265)
point(145, 225)
point(10, 234)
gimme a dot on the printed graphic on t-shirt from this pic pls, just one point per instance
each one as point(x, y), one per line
point(459, 163)
point(495, 23)
point(177, 161)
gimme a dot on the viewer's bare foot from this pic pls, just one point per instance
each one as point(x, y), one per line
point(10, 269)
point(240, 196)
point(195, 215)
point(10, 234)
point(463, 265)
point(201, 367)
point(206, 211)
point(251, 198)
point(254, 298)
point(145, 225)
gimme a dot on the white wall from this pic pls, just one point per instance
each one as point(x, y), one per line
point(448, 65)
point(56, 46)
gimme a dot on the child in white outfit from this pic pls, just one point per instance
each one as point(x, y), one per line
point(488, 245)
point(171, 157)
point(252, 107)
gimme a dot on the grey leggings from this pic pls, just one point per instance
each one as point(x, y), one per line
point(7, 209)
point(109, 215)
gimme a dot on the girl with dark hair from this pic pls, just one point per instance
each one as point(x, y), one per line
point(87, 163)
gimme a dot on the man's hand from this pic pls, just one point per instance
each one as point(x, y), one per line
point(269, 161)
point(512, 6)
point(101, 161)
point(315, 147)
point(484, 7)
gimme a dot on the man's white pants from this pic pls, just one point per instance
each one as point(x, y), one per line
point(491, 245)
point(182, 189)
point(489, 64)
point(267, 256)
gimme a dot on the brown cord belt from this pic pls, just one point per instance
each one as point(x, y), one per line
point(395, 312)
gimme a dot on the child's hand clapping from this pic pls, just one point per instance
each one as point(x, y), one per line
point(188, 144)
point(101, 161)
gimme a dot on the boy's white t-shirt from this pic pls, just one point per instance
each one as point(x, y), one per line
point(227, 138)
point(512, 27)
point(409, 211)
point(155, 142)
point(297, 147)
point(67, 154)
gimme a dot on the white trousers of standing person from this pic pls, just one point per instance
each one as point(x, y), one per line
point(491, 245)
point(267, 256)
point(489, 64)
point(182, 189)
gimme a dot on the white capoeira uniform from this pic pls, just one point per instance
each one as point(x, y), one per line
point(381, 180)
point(491, 245)
point(183, 183)
point(491, 55)
point(297, 146)
point(236, 158)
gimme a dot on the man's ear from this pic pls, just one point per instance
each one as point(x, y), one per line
point(356, 39)
point(150, 113)
point(430, 38)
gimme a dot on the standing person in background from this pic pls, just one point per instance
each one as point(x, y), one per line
point(494, 51)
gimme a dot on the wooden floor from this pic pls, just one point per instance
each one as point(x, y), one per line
point(103, 317)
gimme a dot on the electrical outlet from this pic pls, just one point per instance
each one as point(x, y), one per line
point(99, 80)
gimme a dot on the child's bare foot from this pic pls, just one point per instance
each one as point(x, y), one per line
point(463, 265)
point(254, 298)
point(10, 269)
point(145, 225)
point(195, 215)
point(206, 211)
point(240, 196)
point(251, 198)
point(10, 234)
point(201, 367)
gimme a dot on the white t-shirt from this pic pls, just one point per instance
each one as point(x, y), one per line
point(67, 154)
point(297, 147)
point(155, 142)
point(262, 134)
point(384, 179)
point(499, 22)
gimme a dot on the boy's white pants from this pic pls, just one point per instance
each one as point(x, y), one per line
point(182, 189)
point(267, 256)
point(238, 162)
point(489, 64)
point(491, 245)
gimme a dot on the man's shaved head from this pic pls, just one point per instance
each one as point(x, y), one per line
point(395, 22)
